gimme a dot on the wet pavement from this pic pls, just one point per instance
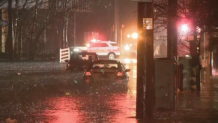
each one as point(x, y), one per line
point(194, 107)
point(57, 96)
point(62, 97)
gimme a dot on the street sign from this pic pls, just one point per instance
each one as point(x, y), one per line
point(141, 0)
point(147, 23)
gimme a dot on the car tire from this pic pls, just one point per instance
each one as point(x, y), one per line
point(111, 56)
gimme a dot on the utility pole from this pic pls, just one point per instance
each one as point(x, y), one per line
point(149, 64)
point(195, 52)
point(140, 63)
point(74, 28)
point(116, 20)
point(145, 63)
point(172, 43)
point(121, 36)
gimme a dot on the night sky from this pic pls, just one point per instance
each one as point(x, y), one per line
point(101, 20)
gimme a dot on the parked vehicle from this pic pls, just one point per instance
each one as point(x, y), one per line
point(80, 60)
point(106, 49)
point(106, 70)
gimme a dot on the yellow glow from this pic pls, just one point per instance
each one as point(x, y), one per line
point(94, 40)
point(127, 61)
point(134, 35)
point(134, 60)
point(127, 47)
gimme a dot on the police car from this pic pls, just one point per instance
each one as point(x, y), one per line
point(107, 49)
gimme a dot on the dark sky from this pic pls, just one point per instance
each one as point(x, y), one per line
point(128, 12)
point(101, 20)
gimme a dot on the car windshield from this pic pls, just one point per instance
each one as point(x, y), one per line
point(82, 57)
point(105, 65)
point(114, 45)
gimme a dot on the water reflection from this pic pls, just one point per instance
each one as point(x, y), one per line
point(63, 110)
point(58, 99)
point(104, 102)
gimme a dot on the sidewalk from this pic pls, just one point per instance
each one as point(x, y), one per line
point(194, 107)
point(17, 66)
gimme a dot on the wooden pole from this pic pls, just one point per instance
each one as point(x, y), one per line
point(140, 63)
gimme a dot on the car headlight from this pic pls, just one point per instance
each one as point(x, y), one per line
point(76, 50)
point(127, 47)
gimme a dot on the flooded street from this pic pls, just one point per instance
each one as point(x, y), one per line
point(46, 93)
point(62, 97)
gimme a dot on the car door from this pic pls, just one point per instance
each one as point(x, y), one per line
point(95, 48)
point(104, 50)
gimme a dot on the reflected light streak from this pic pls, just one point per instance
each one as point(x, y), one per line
point(127, 61)
point(63, 110)
point(134, 60)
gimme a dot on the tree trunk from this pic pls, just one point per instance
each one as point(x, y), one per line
point(19, 40)
point(9, 41)
point(32, 43)
point(16, 33)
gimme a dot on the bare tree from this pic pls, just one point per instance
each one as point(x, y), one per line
point(9, 41)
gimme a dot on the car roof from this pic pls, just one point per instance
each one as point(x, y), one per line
point(108, 61)
point(85, 52)
point(104, 42)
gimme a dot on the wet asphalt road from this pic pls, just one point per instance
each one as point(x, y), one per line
point(61, 97)
point(46, 93)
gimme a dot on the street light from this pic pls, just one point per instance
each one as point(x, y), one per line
point(93, 40)
point(134, 35)
point(185, 28)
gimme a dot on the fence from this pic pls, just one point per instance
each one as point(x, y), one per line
point(64, 54)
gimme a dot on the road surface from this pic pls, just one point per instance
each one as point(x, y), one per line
point(61, 97)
